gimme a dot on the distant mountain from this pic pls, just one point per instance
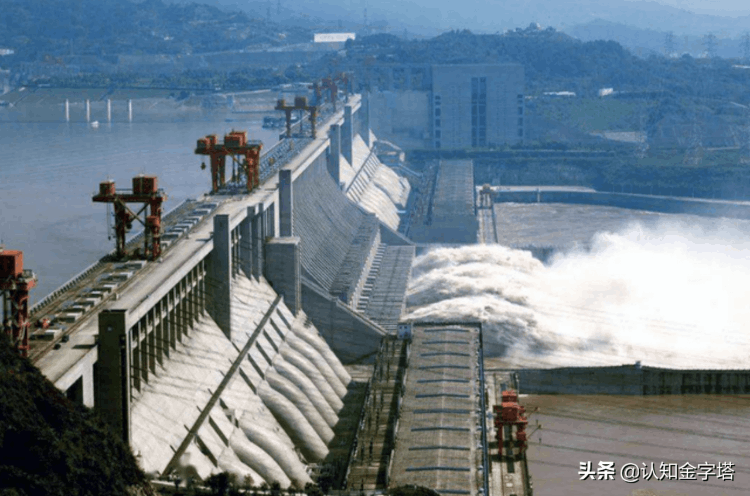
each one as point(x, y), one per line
point(53, 31)
point(643, 42)
point(429, 17)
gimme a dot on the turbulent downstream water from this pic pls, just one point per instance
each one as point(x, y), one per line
point(671, 291)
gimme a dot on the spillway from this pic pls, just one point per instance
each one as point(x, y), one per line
point(270, 408)
point(300, 360)
point(329, 359)
point(308, 388)
point(323, 368)
point(295, 424)
point(294, 394)
point(645, 295)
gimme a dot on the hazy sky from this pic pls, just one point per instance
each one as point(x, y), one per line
point(716, 7)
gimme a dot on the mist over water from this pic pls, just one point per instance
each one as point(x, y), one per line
point(671, 295)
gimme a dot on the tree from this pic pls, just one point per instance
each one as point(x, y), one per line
point(312, 489)
point(221, 483)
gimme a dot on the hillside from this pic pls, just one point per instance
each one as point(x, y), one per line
point(57, 32)
point(554, 61)
point(51, 446)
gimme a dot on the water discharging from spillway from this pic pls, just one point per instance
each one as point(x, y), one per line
point(669, 296)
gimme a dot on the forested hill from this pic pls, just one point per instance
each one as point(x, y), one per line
point(555, 61)
point(53, 29)
point(50, 446)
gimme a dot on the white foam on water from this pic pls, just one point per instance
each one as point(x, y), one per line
point(671, 296)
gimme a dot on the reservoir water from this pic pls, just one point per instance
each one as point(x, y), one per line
point(49, 172)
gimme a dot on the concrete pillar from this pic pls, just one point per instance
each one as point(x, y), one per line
point(67, 110)
point(88, 110)
point(109, 110)
point(88, 386)
point(283, 270)
point(334, 155)
point(130, 110)
point(286, 201)
point(347, 134)
point(144, 349)
point(271, 227)
point(114, 371)
point(258, 240)
point(246, 242)
point(152, 347)
point(364, 111)
point(220, 281)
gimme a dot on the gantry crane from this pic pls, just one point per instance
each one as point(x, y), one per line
point(235, 145)
point(510, 413)
point(144, 191)
point(15, 283)
point(300, 103)
point(328, 83)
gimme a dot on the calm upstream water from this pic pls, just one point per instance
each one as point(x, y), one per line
point(49, 171)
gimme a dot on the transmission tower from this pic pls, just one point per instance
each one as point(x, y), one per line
point(746, 46)
point(278, 7)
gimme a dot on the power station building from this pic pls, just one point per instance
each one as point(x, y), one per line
point(452, 106)
point(476, 106)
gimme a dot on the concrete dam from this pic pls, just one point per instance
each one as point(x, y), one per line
point(226, 353)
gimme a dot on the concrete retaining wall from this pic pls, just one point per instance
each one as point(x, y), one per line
point(632, 380)
point(352, 338)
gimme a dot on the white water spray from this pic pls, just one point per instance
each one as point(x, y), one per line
point(671, 296)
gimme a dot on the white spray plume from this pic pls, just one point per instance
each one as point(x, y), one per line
point(672, 295)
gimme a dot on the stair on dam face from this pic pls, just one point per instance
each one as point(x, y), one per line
point(340, 243)
point(283, 397)
point(364, 298)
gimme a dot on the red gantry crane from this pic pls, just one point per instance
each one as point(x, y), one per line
point(509, 412)
point(300, 103)
point(15, 283)
point(235, 145)
point(144, 191)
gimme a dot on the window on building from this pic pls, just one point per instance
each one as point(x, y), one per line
point(437, 122)
point(479, 111)
point(520, 110)
point(437, 133)
point(520, 122)
point(437, 112)
point(437, 144)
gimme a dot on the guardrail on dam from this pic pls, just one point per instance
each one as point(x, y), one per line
point(225, 353)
